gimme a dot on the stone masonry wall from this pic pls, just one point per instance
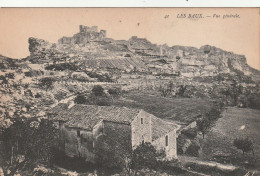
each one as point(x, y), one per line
point(78, 145)
point(141, 132)
point(171, 149)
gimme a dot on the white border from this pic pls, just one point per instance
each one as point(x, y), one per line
point(129, 3)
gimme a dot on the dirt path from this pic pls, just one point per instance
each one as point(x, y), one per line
point(197, 173)
point(227, 167)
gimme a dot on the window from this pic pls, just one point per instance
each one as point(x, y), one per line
point(78, 133)
point(142, 121)
point(166, 140)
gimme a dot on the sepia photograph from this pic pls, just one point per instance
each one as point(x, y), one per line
point(130, 91)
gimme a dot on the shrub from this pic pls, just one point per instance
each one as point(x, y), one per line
point(46, 83)
point(80, 99)
point(254, 101)
point(9, 75)
point(193, 150)
point(114, 92)
point(145, 156)
point(182, 144)
point(62, 67)
point(28, 74)
point(244, 144)
point(171, 167)
point(181, 90)
point(103, 101)
point(190, 133)
point(4, 80)
point(98, 90)
point(37, 95)
point(33, 139)
point(32, 73)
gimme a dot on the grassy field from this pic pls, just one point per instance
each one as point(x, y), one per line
point(174, 109)
point(236, 122)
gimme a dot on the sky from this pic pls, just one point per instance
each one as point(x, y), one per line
point(159, 25)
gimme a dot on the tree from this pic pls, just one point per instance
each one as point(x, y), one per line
point(98, 90)
point(170, 86)
point(204, 125)
point(114, 93)
point(181, 90)
point(214, 112)
point(113, 149)
point(46, 83)
point(26, 144)
point(235, 91)
point(166, 90)
point(145, 156)
point(104, 153)
point(244, 144)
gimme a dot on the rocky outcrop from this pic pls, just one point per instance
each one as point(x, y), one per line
point(42, 51)
point(90, 43)
point(209, 61)
point(7, 63)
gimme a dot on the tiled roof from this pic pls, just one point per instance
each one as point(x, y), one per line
point(161, 127)
point(86, 116)
point(59, 108)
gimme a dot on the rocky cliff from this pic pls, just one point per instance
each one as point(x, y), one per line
point(158, 59)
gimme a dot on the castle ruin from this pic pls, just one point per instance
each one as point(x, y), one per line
point(86, 34)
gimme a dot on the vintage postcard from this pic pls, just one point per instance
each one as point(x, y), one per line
point(129, 91)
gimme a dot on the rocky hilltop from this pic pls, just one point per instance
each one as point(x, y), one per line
point(90, 47)
point(137, 64)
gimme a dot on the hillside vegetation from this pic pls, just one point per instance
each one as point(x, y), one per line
point(235, 122)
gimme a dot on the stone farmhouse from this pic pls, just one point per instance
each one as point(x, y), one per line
point(82, 125)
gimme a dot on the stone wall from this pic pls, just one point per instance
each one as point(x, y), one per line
point(142, 132)
point(78, 145)
point(171, 149)
point(141, 129)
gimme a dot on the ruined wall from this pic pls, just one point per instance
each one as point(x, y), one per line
point(78, 144)
point(65, 40)
point(171, 149)
point(86, 34)
point(141, 129)
point(83, 144)
point(84, 29)
point(97, 131)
